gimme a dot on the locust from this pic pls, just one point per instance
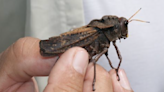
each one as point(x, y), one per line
point(95, 37)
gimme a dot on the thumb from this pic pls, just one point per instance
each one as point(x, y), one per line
point(120, 86)
point(68, 73)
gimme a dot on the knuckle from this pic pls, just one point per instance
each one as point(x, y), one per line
point(21, 48)
point(14, 52)
point(65, 87)
point(72, 82)
point(71, 88)
point(18, 46)
point(101, 71)
point(62, 88)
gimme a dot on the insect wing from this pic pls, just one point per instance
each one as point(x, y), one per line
point(78, 37)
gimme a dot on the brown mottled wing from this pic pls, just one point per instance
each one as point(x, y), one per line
point(78, 37)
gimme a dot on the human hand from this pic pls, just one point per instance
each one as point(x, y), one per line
point(71, 73)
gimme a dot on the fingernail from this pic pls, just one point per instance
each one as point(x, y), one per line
point(80, 61)
point(124, 80)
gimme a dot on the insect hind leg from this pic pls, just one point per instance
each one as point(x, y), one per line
point(94, 62)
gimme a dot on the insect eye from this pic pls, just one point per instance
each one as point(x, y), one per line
point(126, 22)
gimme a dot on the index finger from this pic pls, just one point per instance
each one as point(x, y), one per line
point(22, 60)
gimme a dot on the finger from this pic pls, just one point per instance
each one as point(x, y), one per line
point(22, 60)
point(103, 80)
point(36, 89)
point(120, 86)
point(68, 73)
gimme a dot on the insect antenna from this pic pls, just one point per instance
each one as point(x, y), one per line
point(134, 14)
point(130, 19)
point(138, 20)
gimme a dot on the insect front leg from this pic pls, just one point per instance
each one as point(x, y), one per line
point(94, 62)
point(119, 56)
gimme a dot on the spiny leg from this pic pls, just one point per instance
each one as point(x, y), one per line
point(119, 56)
point(106, 54)
point(94, 62)
point(94, 78)
point(110, 63)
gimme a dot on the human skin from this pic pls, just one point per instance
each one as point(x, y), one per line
point(71, 73)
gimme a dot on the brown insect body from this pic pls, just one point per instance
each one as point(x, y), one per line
point(94, 37)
